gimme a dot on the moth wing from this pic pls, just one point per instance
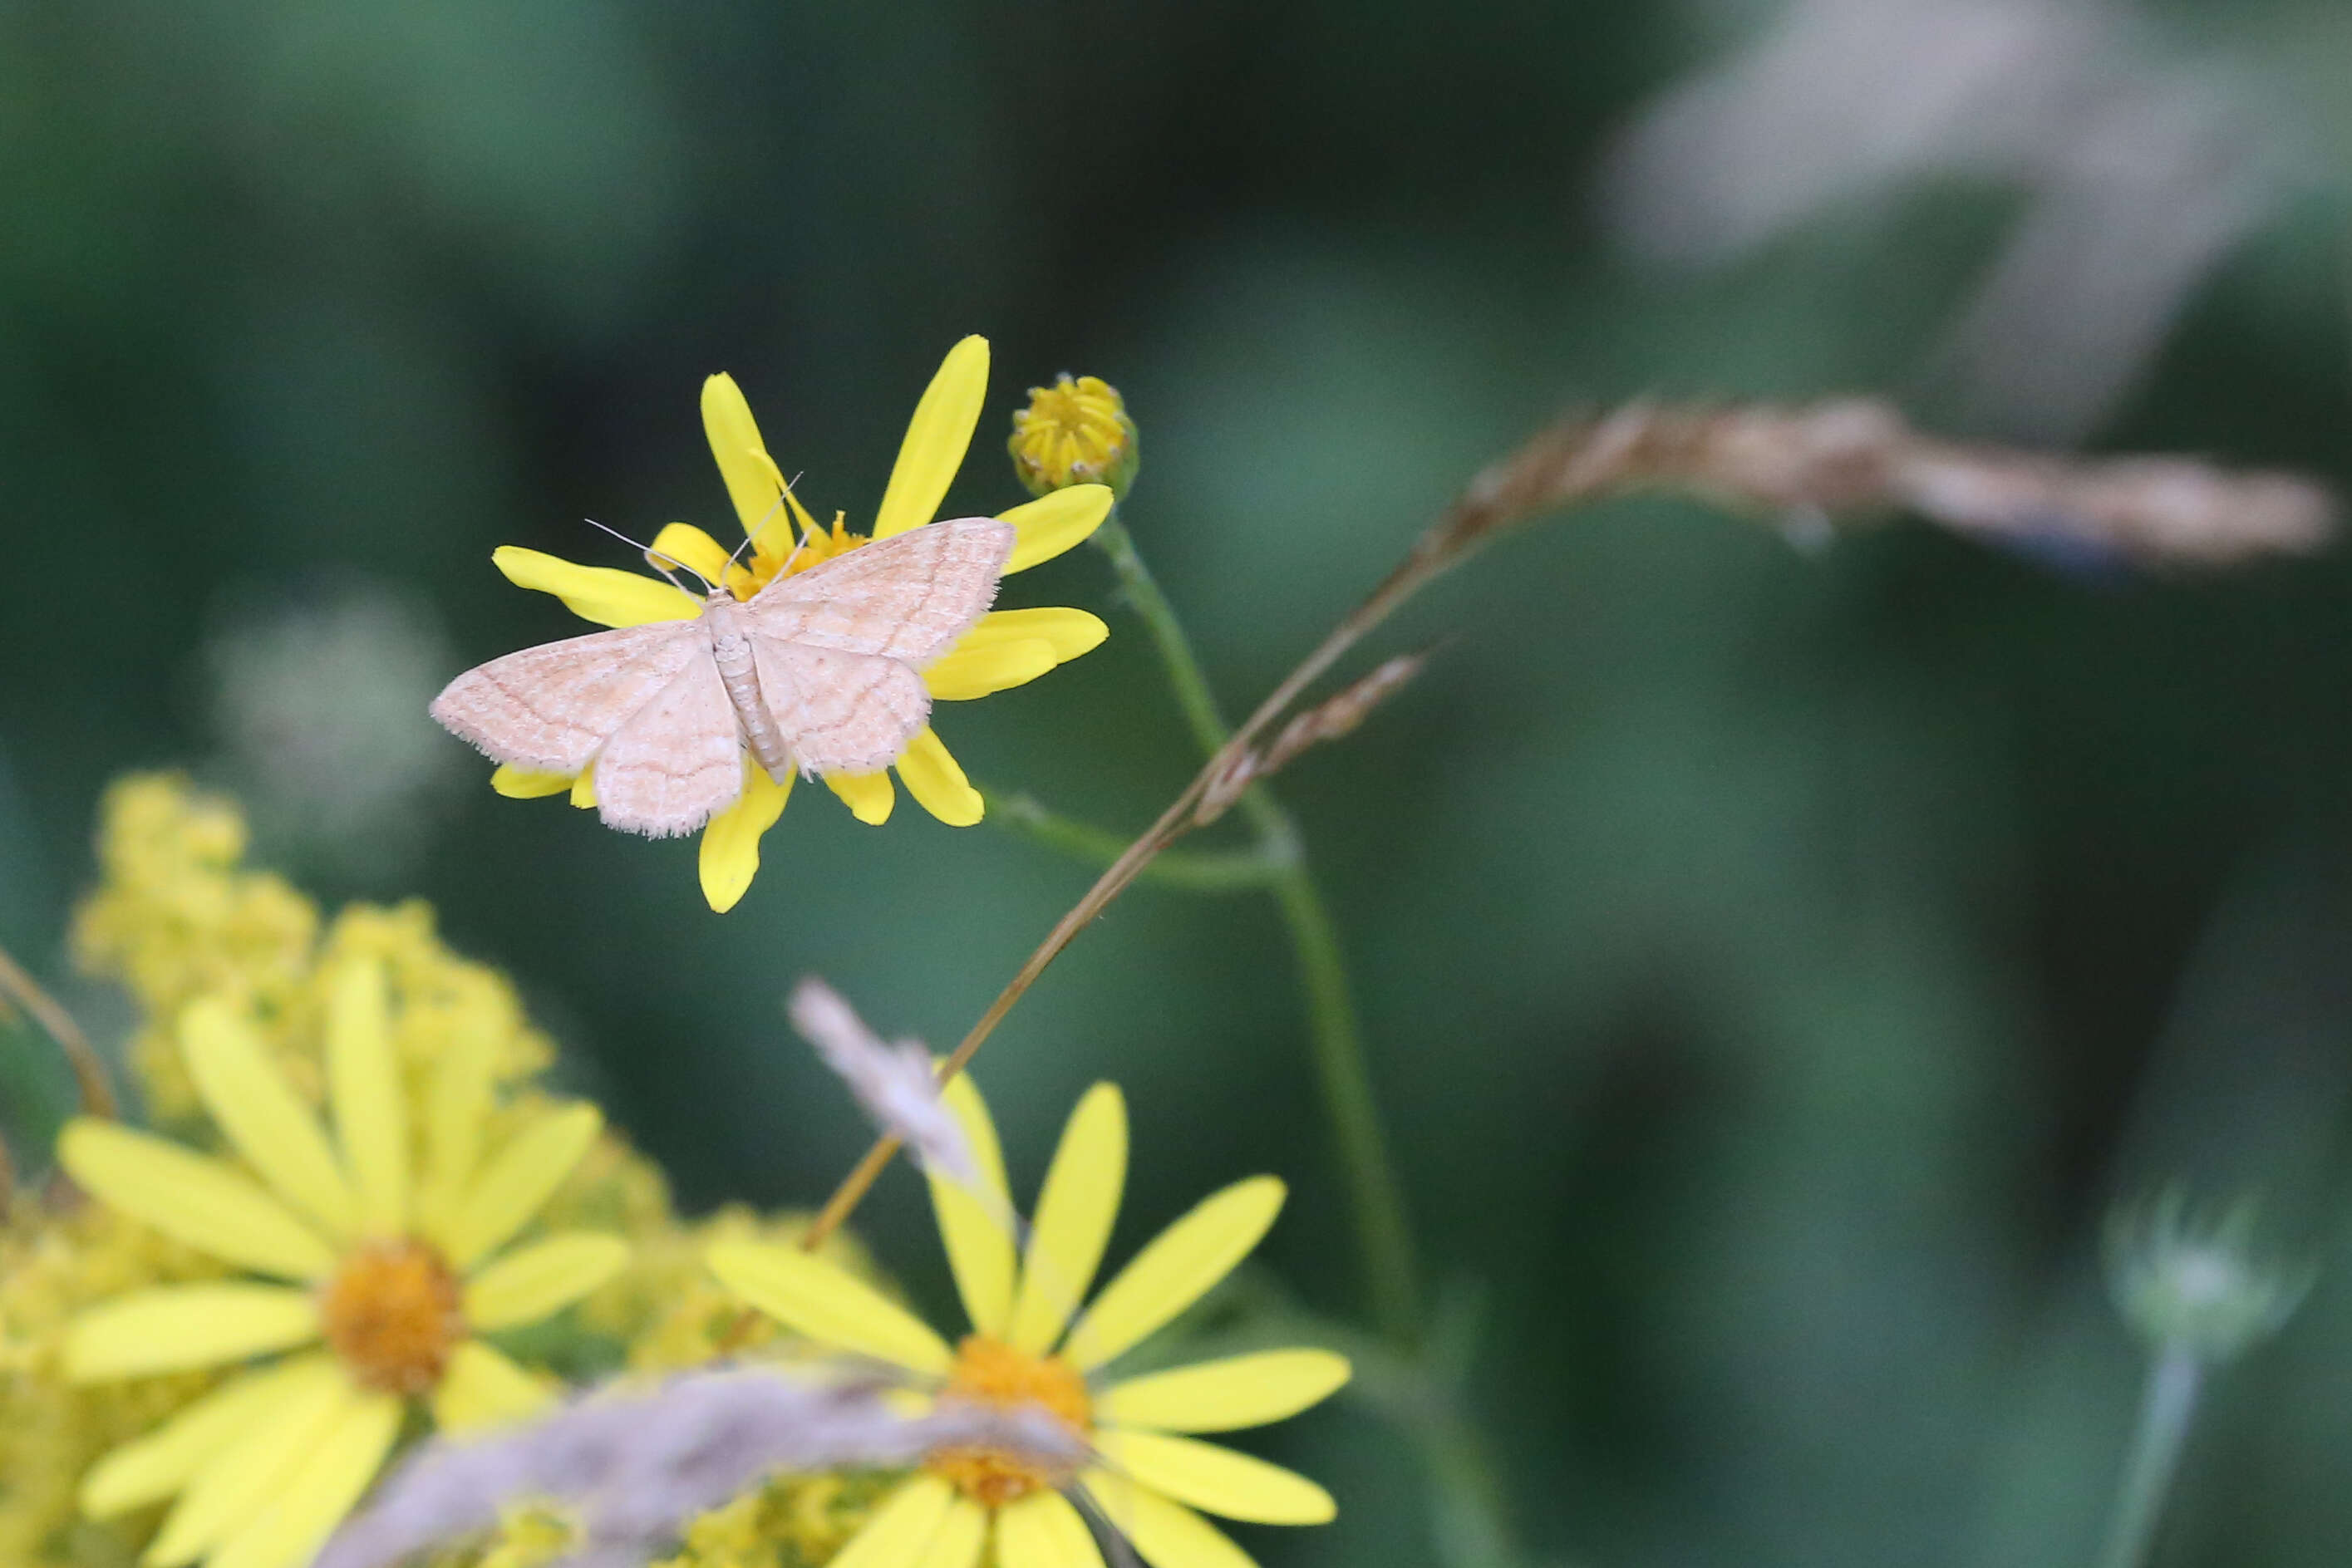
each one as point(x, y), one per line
point(676, 760)
point(841, 712)
point(908, 597)
point(550, 707)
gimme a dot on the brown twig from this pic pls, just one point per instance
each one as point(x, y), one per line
point(1849, 459)
point(90, 1072)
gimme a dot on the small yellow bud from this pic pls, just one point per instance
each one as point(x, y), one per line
point(1075, 432)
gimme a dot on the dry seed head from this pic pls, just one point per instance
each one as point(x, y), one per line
point(1855, 460)
point(1327, 720)
point(2198, 1281)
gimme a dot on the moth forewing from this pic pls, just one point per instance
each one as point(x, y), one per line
point(908, 597)
point(552, 708)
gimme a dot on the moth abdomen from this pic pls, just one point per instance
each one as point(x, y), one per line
point(738, 670)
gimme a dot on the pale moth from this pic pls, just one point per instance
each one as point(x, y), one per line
point(818, 672)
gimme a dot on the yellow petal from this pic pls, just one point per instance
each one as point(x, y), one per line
point(518, 1182)
point(825, 1302)
point(150, 1469)
point(262, 1116)
point(288, 1529)
point(584, 789)
point(936, 440)
point(869, 796)
point(1071, 631)
point(1225, 1395)
point(1045, 527)
point(901, 1529)
point(1043, 1531)
point(370, 1100)
point(1172, 1273)
point(227, 1493)
point(937, 784)
point(1165, 1534)
point(1217, 1478)
point(541, 1278)
point(170, 1328)
point(964, 674)
point(456, 1114)
point(1075, 1211)
point(527, 783)
point(483, 1388)
point(683, 544)
point(731, 840)
point(980, 1251)
point(598, 593)
point(751, 482)
point(961, 1535)
point(192, 1198)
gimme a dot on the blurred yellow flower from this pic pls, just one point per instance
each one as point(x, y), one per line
point(673, 1315)
point(56, 1258)
point(1147, 1477)
point(379, 1245)
point(177, 915)
point(1007, 648)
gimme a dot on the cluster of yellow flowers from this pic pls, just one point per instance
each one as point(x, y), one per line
point(127, 1324)
point(211, 1343)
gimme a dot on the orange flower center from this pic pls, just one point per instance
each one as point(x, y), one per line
point(394, 1311)
point(758, 571)
point(989, 1371)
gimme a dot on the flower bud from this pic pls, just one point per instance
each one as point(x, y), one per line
point(1075, 432)
point(2196, 1281)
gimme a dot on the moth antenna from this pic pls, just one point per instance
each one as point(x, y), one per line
point(800, 541)
point(657, 557)
point(760, 527)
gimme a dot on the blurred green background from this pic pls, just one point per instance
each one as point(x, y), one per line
point(1775, 963)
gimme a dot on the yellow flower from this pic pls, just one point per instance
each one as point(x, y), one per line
point(1075, 432)
point(1147, 1477)
point(1007, 648)
point(379, 1246)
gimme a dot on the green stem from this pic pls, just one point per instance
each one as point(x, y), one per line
point(1185, 676)
point(2174, 1381)
point(1196, 871)
point(1383, 1233)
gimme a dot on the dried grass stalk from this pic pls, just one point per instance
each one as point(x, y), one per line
point(1855, 460)
point(635, 1463)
